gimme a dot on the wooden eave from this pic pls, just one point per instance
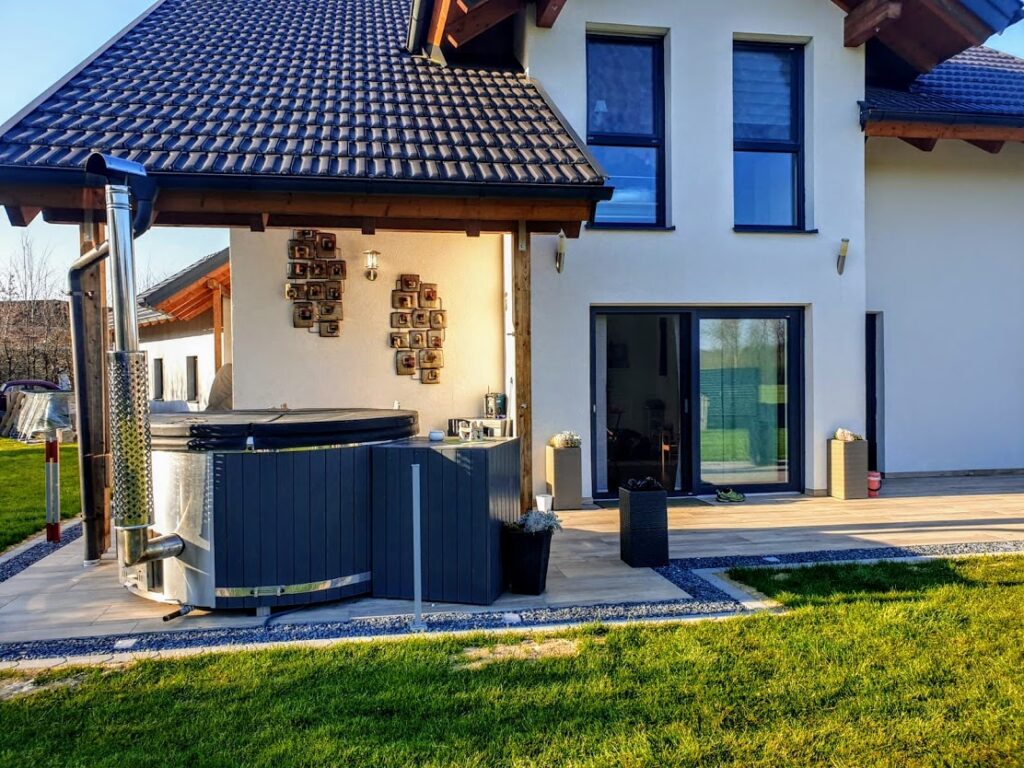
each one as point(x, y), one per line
point(258, 210)
point(924, 135)
point(197, 298)
point(454, 23)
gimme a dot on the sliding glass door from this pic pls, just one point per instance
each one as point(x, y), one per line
point(697, 398)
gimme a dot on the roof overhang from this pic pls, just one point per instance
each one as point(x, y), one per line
point(987, 132)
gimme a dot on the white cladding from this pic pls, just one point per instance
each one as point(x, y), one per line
point(945, 269)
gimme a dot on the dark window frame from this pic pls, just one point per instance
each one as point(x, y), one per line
point(797, 147)
point(192, 378)
point(158, 378)
point(654, 140)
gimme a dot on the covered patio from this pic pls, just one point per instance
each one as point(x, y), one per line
point(77, 611)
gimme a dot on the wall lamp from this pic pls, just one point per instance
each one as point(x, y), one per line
point(560, 253)
point(844, 249)
point(372, 263)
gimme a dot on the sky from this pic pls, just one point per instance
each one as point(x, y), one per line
point(44, 40)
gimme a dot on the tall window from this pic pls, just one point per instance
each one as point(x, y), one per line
point(768, 136)
point(626, 126)
point(192, 378)
point(158, 378)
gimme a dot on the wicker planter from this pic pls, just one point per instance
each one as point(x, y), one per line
point(643, 528)
point(564, 470)
point(525, 560)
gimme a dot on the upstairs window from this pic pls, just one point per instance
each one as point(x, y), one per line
point(626, 127)
point(768, 136)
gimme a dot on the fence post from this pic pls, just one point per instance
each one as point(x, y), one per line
point(53, 486)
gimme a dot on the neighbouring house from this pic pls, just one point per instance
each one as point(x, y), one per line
point(814, 221)
point(185, 327)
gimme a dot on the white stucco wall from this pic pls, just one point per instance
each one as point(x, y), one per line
point(276, 364)
point(173, 343)
point(703, 262)
point(946, 269)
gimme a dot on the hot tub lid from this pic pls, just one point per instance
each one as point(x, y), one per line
point(275, 429)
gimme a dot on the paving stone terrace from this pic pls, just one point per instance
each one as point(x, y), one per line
point(53, 608)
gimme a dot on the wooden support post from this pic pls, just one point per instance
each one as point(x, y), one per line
point(91, 397)
point(218, 324)
point(524, 361)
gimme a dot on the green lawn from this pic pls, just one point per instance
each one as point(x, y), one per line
point(23, 489)
point(874, 666)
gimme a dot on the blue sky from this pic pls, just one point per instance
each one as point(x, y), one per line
point(45, 39)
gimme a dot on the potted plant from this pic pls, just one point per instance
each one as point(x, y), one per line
point(643, 523)
point(564, 470)
point(525, 551)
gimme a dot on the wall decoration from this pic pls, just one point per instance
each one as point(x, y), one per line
point(313, 257)
point(428, 296)
point(405, 363)
point(418, 329)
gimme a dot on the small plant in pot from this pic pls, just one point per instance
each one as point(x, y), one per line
point(525, 551)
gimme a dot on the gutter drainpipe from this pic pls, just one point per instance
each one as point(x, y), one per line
point(131, 445)
point(416, 19)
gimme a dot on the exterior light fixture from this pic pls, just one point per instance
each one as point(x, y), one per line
point(560, 253)
point(844, 249)
point(372, 262)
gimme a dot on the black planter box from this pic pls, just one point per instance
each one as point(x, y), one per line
point(525, 559)
point(643, 528)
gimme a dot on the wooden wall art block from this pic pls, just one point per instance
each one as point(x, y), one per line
point(398, 340)
point(302, 315)
point(330, 328)
point(304, 234)
point(428, 296)
point(418, 339)
point(409, 282)
point(439, 320)
point(337, 270)
point(316, 291)
point(421, 318)
point(333, 290)
point(435, 339)
point(405, 363)
point(318, 270)
point(430, 376)
point(401, 320)
point(403, 300)
point(330, 310)
point(431, 358)
point(327, 245)
point(298, 270)
point(300, 249)
point(295, 291)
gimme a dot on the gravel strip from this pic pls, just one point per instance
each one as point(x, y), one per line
point(18, 563)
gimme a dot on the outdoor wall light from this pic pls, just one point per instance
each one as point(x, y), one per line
point(844, 249)
point(560, 253)
point(372, 262)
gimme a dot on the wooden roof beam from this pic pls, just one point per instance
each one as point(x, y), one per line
point(21, 216)
point(965, 132)
point(925, 145)
point(547, 12)
point(992, 147)
point(478, 18)
point(958, 19)
point(868, 19)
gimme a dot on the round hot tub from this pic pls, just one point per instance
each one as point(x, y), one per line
point(273, 506)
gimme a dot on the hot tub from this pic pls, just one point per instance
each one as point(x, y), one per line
point(273, 506)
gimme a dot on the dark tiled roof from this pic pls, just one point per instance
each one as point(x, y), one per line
point(979, 82)
point(304, 88)
point(168, 287)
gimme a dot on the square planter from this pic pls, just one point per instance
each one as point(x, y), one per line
point(525, 560)
point(848, 469)
point(564, 470)
point(643, 528)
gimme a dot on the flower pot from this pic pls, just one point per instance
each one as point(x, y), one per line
point(643, 528)
point(525, 560)
point(564, 471)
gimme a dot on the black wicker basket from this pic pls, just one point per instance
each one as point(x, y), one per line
point(643, 528)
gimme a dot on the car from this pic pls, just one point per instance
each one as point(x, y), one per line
point(24, 385)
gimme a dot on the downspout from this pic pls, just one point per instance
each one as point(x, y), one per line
point(417, 18)
point(131, 445)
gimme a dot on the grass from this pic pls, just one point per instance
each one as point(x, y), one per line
point(889, 665)
point(23, 489)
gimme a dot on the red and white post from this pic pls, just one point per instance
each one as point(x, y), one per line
point(53, 486)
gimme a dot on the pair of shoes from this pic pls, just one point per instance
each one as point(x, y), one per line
point(729, 495)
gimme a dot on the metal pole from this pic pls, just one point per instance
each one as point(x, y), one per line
point(53, 486)
point(417, 555)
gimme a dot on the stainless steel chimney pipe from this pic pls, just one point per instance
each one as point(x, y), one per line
point(122, 246)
